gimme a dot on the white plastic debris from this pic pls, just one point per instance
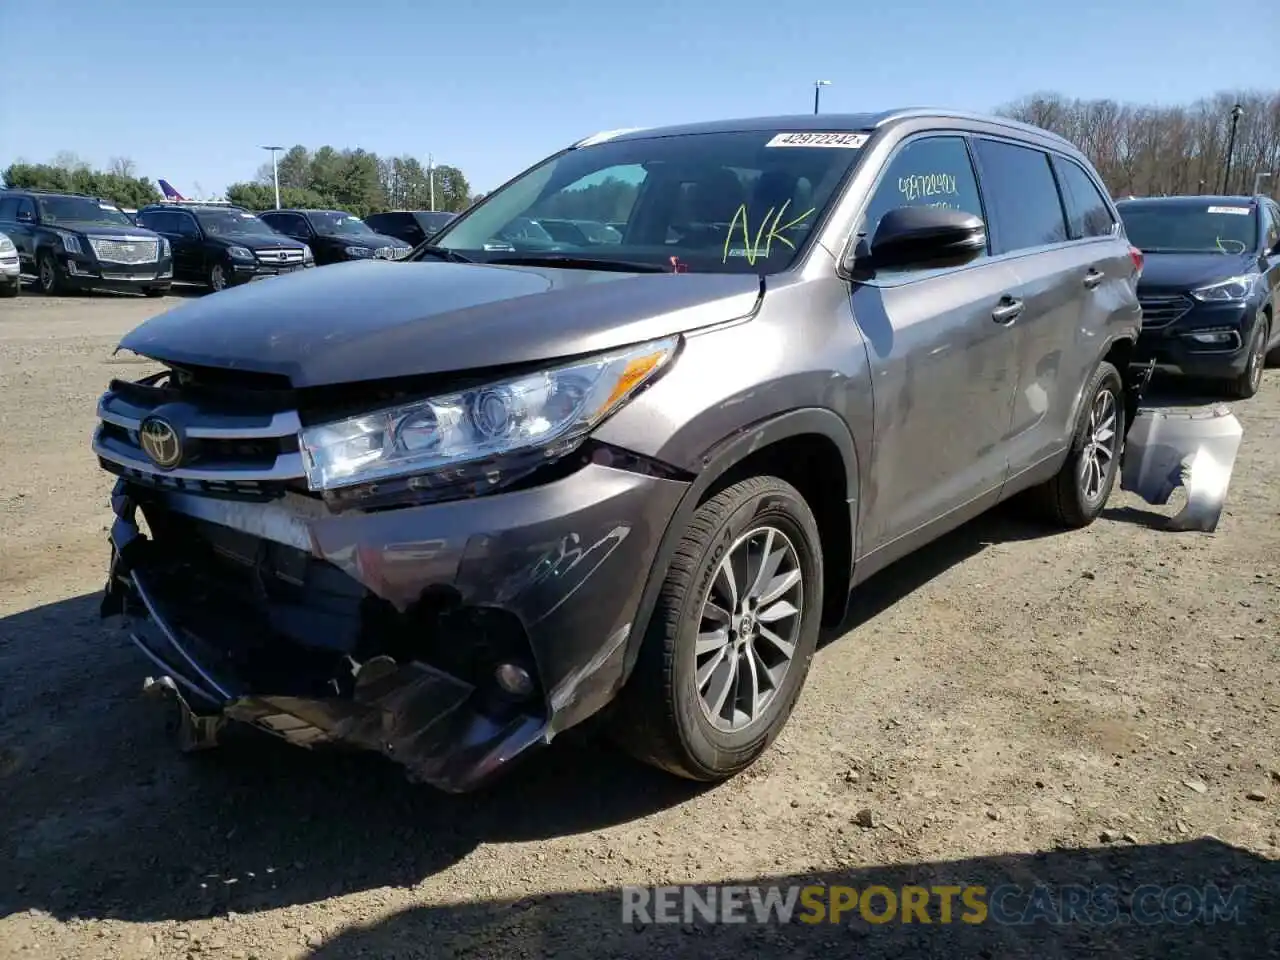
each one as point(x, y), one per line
point(1195, 450)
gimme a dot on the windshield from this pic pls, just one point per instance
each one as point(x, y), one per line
point(742, 201)
point(220, 223)
point(1222, 227)
point(81, 210)
point(334, 223)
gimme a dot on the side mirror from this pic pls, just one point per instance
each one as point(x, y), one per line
point(926, 238)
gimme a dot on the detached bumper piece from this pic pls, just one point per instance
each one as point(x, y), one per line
point(224, 661)
point(1165, 450)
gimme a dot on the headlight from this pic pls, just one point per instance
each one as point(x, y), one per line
point(306, 253)
point(1224, 291)
point(240, 253)
point(488, 432)
point(6, 245)
point(358, 251)
point(70, 242)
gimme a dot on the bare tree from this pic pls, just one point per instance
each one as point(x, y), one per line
point(122, 167)
point(1147, 151)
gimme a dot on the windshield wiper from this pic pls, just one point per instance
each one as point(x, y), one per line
point(579, 263)
point(443, 253)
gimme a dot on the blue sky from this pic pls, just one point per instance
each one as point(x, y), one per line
point(189, 89)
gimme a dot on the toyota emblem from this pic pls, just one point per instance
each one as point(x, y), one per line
point(160, 442)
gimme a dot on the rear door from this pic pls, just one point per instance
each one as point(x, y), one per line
point(943, 366)
point(1059, 281)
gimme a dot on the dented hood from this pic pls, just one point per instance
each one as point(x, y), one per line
point(378, 319)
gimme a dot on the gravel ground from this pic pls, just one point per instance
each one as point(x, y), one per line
point(1011, 705)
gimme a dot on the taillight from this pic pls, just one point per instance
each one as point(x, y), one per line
point(1136, 256)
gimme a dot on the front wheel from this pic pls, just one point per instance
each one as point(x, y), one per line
point(48, 275)
point(218, 278)
point(730, 641)
point(1250, 381)
point(1075, 496)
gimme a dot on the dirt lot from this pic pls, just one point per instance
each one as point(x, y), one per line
point(1011, 705)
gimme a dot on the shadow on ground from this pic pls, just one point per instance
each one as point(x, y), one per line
point(104, 819)
point(1201, 899)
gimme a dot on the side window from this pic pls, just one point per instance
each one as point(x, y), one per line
point(932, 172)
point(8, 208)
point(185, 225)
point(1023, 195)
point(1087, 212)
point(1272, 236)
point(155, 220)
point(27, 206)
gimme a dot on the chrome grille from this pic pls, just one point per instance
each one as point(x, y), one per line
point(226, 452)
point(279, 256)
point(1159, 312)
point(125, 251)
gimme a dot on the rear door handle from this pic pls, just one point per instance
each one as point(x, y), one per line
point(1093, 278)
point(1008, 311)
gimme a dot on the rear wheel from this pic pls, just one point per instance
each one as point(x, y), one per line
point(49, 275)
point(1076, 495)
point(731, 638)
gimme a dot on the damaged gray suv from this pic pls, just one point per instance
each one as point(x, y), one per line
point(448, 508)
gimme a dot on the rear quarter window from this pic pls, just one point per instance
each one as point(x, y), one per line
point(1087, 212)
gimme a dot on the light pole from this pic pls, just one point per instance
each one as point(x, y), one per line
point(431, 180)
point(275, 171)
point(817, 91)
point(1236, 113)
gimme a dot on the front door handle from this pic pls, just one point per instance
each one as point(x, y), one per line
point(1093, 278)
point(1008, 311)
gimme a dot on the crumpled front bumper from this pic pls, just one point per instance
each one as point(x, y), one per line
point(435, 722)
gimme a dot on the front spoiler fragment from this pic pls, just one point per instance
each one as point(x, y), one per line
point(413, 713)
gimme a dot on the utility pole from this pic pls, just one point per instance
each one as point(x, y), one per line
point(817, 90)
point(275, 171)
point(431, 180)
point(1236, 113)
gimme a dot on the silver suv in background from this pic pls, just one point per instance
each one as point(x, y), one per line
point(448, 508)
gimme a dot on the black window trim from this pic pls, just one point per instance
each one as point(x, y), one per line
point(1049, 155)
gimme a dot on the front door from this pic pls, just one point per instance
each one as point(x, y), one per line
point(941, 350)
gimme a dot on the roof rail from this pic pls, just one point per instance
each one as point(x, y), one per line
point(604, 135)
point(909, 113)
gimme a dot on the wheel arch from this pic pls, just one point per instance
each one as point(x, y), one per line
point(812, 449)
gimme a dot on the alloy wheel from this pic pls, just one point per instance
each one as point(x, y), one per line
point(749, 628)
point(217, 278)
point(1257, 357)
point(48, 276)
point(1098, 457)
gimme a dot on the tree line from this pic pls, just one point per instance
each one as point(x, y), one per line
point(1139, 151)
point(1150, 151)
point(355, 180)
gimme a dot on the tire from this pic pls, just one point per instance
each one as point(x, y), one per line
point(218, 278)
point(1273, 356)
point(662, 717)
point(48, 276)
point(1075, 496)
point(1248, 383)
